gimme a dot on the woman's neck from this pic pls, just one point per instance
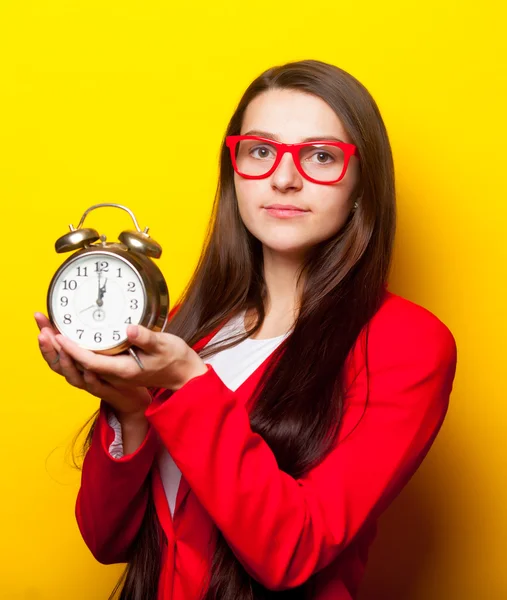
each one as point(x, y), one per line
point(283, 295)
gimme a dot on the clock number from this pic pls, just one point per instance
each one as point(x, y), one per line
point(67, 319)
point(80, 332)
point(134, 304)
point(119, 272)
point(116, 336)
point(64, 300)
point(98, 337)
point(129, 321)
point(131, 286)
point(84, 273)
point(69, 285)
point(101, 266)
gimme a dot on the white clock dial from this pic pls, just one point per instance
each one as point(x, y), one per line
point(95, 297)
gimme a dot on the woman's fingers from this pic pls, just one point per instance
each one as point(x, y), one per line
point(49, 352)
point(97, 386)
point(117, 366)
point(62, 363)
point(75, 364)
point(47, 329)
point(126, 400)
point(58, 360)
point(48, 332)
point(42, 321)
point(69, 370)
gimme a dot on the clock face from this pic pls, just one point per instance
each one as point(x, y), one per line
point(95, 297)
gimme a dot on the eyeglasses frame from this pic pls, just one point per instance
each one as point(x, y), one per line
point(281, 148)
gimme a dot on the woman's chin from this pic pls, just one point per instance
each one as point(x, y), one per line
point(287, 249)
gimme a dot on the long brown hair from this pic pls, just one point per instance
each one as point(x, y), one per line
point(344, 283)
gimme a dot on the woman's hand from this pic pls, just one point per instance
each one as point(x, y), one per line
point(127, 400)
point(167, 360)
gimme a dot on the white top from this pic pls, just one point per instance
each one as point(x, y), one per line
point(233, 366)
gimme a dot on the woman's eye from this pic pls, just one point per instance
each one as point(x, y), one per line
point(262, 152)
point(322, 158)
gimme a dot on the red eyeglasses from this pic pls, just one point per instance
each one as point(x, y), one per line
point(322, 162)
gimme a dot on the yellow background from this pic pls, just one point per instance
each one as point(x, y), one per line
point(126, 102)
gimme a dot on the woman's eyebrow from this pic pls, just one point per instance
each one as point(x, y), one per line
point(272, 136)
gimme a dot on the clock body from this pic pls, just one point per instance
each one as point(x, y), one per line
point(101, 289)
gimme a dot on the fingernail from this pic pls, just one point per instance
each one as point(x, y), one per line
point(133, 331)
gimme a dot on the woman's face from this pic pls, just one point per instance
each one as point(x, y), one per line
point(292, 116)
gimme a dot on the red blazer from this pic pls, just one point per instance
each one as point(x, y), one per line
point(283, 530)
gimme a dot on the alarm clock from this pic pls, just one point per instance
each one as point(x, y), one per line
point(105, 286)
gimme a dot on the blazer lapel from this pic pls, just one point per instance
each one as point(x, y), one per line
point(183, 487)
point(245, 392)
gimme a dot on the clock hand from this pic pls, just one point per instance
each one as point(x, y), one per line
point(92, 306)
point(99, 299)
point(102, 290)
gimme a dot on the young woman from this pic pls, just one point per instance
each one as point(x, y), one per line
point(292, 396)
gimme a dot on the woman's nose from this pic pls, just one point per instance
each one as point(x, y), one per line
point(286, 176)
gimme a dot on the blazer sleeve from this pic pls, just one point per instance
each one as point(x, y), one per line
point(283, 530)
point(112, 499)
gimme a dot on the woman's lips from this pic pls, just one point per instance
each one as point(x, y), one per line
point(285, 212)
